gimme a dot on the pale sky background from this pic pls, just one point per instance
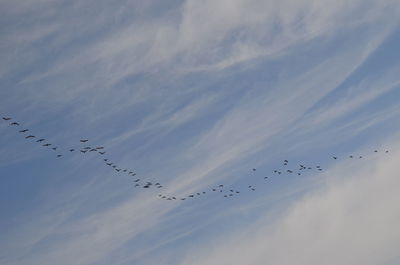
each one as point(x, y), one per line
point(193, 94)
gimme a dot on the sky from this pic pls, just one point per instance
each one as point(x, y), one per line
point(193, 95)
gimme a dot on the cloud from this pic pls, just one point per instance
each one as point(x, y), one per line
point(351, 219)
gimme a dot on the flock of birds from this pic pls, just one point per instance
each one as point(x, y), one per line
point(226, 192)
point(83, 148)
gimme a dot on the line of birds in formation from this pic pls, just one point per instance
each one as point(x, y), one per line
point(86, 149)
point(228, 192)
point(221, 188)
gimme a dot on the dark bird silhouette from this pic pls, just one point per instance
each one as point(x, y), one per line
point(118, 170)
point(71, 150)
point(83, 151)
point(147, 186)
point(14, 124)
point(6, 118)
point(265, 177)
point(84, 140)
point(134, 174)
point(46, 145)
point(254, 169)
point(360, 157)
point(105, 159)
point(137, 180)
point(41, 140)
point(351, 156)
point(59, 155)
point(214, 189)
point(114, 166)
point(109, 164)
point(92, 150)
point(23, 131)
point(100, 147)
point(191, 196)
point(221, 185)
point(376, 151)
point(30, 136)
point(102, 153)
point(289, 171)
point(137, 185)
point(54, 148)
point(87, 147)
point(124, 170)
point(334, 157)
point(387, 151)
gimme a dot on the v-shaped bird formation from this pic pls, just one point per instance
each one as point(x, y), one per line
point(286, 168)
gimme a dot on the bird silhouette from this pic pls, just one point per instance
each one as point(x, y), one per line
point(84, 140)
point(46, 145)
point(102, 153)
point(30, 136)
point(59, 155)
point(14, 124)
point(6, 118)
point(24, 131)
point(41, 140)
point(71, 150)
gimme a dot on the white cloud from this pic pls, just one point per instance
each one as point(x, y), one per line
point(352, 219)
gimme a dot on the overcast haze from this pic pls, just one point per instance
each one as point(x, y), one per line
point(193, 94)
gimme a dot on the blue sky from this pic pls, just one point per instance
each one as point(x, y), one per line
point(193, 94)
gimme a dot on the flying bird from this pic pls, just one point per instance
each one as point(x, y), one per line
point(54, 148)
point(71, 150)
point(6, 118)
point(83, 151)
point(23, 131)
point(102, 153)
point(59, 155)
point(84, 140)
point(334, 157)
point(14, 124)
point(41, 140)
point(46, 145)
point(30, 136)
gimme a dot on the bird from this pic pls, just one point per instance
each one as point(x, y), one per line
point(124, 170)
point(46, 145)
point(102, 153)
point(40, 140)
point(71, 150)
point(6, 118)
point(289, 171)
point(54, 148)
point(84, 140)
point(114, 166)
point(137, 185)
point(59, 155)
point(105, 159)
point(118, 170)
point(30, 136)
point(254, 169)
point(100, 147)
point(134, 174)
point(14, 124)
point(23, 131)
point(360, 157)
point(285, 161)
point(109, 164)
point(214, 189)
point(83, 151)
point(387, 151)
point(334, 157)
point(351, 156)
point(221, 185)
point(146, 186)
point(265, 177)
point(376, 151)
point(92, 150)
point(87, 147)
point(137, 180)
point(191, 196)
